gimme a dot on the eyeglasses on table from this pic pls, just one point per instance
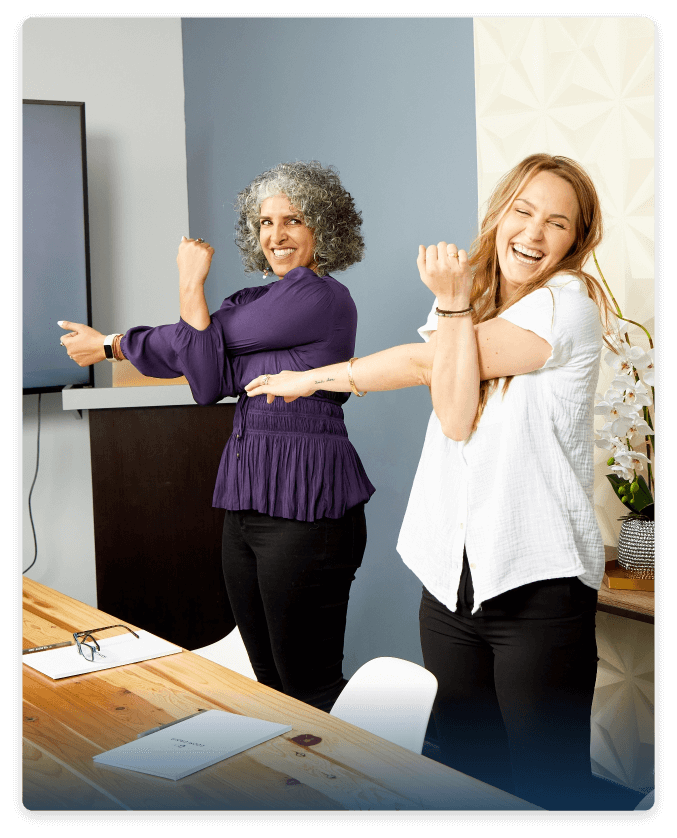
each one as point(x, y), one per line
point(87, 644)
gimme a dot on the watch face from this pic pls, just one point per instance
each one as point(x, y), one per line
point(108, 349)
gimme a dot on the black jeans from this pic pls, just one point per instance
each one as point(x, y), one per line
point(288, 583)
point(516, 683)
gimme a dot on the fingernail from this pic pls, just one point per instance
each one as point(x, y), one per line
point(59, 323)
point(183, 238)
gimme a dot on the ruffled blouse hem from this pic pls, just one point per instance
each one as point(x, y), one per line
point(291, 476)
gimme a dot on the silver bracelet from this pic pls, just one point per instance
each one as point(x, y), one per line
point(443, 313)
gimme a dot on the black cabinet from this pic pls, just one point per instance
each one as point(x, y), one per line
point(157, 537)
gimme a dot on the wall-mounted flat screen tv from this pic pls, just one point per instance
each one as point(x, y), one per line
point(56, 275)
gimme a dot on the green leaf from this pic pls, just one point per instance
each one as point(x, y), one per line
point(639, 501)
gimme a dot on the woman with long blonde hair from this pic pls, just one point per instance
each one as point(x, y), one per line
point(500, 525)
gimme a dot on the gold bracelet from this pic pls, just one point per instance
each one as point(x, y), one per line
point(350, 379)
point(117, 351)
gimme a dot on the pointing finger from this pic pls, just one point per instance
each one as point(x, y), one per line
point(66, 324)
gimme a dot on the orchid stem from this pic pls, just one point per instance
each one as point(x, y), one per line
point(618, 308)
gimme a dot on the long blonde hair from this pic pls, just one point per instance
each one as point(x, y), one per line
point(483, 260)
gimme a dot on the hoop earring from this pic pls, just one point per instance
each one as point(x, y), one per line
point(265, 273)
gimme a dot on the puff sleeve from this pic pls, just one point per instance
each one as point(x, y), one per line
point(562, 314)
point(179, 349)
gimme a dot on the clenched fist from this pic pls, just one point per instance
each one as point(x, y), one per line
point(194, 260)
point(445, 270)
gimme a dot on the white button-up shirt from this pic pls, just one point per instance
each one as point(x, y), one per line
point(518, 492)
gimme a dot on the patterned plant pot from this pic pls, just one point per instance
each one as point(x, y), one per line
point(636, 547)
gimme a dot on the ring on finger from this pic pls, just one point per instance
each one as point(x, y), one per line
point(266, 379)
point(199, 241)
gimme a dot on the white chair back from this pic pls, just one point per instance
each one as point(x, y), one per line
point(230, 652)
point(392, 698)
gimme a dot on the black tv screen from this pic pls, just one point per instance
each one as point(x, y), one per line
point(56, 277)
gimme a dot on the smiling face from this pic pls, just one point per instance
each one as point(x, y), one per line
point(285, 240)
point(537, 230)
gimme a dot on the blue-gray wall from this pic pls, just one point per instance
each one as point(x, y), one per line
point(391, 104)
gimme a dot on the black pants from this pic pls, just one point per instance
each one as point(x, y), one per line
point(516, 683)
point(288, 583)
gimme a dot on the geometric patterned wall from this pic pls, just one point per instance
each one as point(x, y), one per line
point(583, 87)
point(623, 707)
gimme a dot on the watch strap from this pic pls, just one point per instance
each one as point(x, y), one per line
point(108, 347)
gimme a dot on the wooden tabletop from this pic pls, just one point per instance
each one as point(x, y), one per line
point(67, 722)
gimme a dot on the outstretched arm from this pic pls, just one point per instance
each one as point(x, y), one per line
point(391, 369)
point(449, 365)
point(454, 361)
point(85, 345)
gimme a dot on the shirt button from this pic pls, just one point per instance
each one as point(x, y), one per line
point(238, 456)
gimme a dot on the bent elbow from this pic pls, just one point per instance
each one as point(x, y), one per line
point(453, 430)
point(458, 434)
point(206, 397)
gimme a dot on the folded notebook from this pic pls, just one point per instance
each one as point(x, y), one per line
point(191, 745)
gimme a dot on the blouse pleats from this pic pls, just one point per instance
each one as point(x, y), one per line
point(291, 460)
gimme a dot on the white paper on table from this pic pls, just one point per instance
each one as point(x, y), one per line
point(118, 651)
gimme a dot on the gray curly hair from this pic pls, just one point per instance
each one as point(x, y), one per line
point(327, 208)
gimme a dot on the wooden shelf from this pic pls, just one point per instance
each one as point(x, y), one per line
point(98, 398)
point(635, 605)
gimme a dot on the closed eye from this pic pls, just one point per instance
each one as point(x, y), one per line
point(523, 212)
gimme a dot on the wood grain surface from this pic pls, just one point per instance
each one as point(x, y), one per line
point(67, 722)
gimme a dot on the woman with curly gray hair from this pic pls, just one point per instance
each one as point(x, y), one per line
point(291, 483)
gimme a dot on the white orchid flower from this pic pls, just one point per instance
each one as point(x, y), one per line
point(632, 460)
point(638, 427)
point(621, 471)
point(621, 362)
point(623, 407)
point(636, 393)
point(611, 443)
point(603, 442)
point(613, 406)
point(636, 355)
point(646, 368)
point(620, 382)
point(621, 426)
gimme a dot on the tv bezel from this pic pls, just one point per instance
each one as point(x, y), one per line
point(57, 388)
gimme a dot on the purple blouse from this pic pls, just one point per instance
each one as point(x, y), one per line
point(288, 460)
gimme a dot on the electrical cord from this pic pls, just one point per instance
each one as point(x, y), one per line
point(30, 511)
